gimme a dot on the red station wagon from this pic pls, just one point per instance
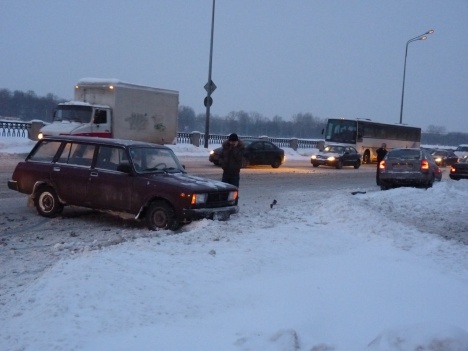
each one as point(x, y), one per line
point(120, 176)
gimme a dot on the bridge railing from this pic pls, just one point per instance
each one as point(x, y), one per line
point(198, 139)
point(14, 129)
point(9, 128)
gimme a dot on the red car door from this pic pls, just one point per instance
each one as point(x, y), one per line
point(109, 188)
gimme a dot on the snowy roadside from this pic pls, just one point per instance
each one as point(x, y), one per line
point(336, 272)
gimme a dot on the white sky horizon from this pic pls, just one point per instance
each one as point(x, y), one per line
point(332, 59)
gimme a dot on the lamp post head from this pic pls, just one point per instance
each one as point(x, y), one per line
point(419, 37)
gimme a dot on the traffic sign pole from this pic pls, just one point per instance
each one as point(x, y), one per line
point(210, 86)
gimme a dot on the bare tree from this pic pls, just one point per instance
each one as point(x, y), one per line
point(436, 129)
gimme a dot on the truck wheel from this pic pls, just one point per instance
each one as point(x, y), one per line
point(47, 202)
point(161, 216)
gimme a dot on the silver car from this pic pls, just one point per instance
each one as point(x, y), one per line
point(408, 167)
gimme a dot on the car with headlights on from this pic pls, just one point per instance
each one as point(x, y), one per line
point(256, 153)
point(337, 156)
point(444, 158)
point(143, 180)
point(459, 170)
point(461, 150)
point(408, 167)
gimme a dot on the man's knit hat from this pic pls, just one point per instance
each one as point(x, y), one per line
point(233, 137)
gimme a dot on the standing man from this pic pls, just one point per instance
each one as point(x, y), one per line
point(231, 159)
point(381, 152)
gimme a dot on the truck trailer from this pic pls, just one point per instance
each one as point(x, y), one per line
point(111, 108)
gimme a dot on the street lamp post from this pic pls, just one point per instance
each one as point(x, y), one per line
point(210, 86)
point(419, 37)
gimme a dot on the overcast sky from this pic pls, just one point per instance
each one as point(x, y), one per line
point(339, 58)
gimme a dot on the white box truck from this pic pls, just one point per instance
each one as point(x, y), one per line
point(111, 108)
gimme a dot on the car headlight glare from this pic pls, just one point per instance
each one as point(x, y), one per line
point(313, 157)
point(331, 158)
point(232, 196)
point(198, 199)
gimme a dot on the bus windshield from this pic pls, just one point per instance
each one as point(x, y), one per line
point(341, 131)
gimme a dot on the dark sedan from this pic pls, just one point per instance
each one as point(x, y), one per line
point(337, 156)
point(444, 158)
point(257, 152)
point(408, 167)
point(459, 170)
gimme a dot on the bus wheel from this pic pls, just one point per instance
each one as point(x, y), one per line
point(366, 157)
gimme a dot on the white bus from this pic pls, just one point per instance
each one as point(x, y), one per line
point(367, 136)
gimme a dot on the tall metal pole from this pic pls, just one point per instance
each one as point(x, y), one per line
point(403, 89)
point(210, 89)
point(419, 37)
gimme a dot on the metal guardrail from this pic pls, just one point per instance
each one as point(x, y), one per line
point(198, 139)
point(14, 129)
point(23, 130)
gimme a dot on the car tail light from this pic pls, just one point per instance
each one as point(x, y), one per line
point(424, 165)
point(382, 165)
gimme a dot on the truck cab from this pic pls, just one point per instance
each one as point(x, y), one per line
point(79, 118)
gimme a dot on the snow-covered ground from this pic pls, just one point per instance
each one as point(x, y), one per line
point(339, 273)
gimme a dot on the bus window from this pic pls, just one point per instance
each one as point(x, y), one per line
point(360, 133)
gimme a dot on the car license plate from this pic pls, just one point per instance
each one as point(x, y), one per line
point(402, 167)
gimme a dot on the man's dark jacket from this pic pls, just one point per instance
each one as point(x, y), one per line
point(231, 157)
